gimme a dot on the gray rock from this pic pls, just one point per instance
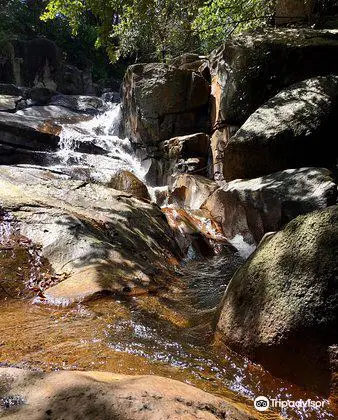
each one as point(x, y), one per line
point(8, 103)
point(78, 103)
point(54, 112)
point(104, 239)
point(250, 69)
point(281, 307)
point(70, 80)
point(107, 396)
point(293, 129)
point(40, 95)
point(254, 207)
point(161, 102)
point(10, 89)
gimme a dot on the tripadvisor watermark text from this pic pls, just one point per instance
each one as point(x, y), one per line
point(262, 403)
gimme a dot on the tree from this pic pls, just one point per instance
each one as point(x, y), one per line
point(218, 19)
point(145, 28)
point(154, 29)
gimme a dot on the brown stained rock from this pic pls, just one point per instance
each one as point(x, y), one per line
point(191, 191)
point(254, 207)
point(28, 132)
point(196, 228)
point(106, 396)
point(126, 181)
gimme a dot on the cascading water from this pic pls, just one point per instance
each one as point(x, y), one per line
point(93, 149)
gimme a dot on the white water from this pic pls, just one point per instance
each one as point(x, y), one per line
point(111, 153)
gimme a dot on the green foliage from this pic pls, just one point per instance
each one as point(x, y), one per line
point(217, 19)
point(152, 29)
point(21, 19)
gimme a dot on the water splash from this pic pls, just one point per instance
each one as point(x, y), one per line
point(95, 145)
point(244, 249)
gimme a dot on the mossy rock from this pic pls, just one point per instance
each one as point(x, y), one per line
point(281, 307)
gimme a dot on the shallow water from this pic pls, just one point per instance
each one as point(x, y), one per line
point(160, 335)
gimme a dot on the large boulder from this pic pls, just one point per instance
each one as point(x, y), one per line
point(161, 102)
point(293, 129)
point(250, 69)
point(38, 63)
point(281, 307)
point(70, 80)
point(104, 240)
point(106, 396)
point(251, 208)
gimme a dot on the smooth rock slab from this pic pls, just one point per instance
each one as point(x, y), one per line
point(50, 112)
point(8, 103)
point(29, 132)
point(103, 239)
point(106, 396)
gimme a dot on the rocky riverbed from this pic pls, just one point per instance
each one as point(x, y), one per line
point(187, 234)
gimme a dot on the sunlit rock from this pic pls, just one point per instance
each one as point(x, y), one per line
point(196, 232)
point(250, 69)
point(79, 103)
point(191, 191)
point(256, 206)
point(28, 132)
point(103, 239)
point(8, 103)
point(161, 102)
point(107, 396)
point(293, 129)
point(126, 181)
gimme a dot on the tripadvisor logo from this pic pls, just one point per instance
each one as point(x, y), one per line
point(261, 403)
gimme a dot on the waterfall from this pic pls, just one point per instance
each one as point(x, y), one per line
point(92, 147)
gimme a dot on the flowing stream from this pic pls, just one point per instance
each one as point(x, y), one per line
point(167, 335)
